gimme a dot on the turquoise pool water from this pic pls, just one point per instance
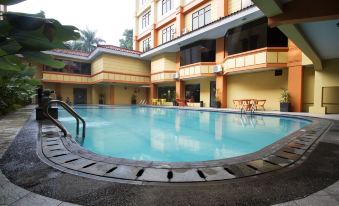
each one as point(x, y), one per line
point(171, 135)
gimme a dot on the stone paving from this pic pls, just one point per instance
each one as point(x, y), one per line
point(11, 194)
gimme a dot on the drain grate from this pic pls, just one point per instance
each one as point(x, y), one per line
point(252, 167)
point(169, 175)
point(201, 174)
point(89, 165)
point(72, 160)
point(111, 170)
point(59, 155)
point(140, 172)
point(229, 171)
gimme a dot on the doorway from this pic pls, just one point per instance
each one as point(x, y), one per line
point(80, 95)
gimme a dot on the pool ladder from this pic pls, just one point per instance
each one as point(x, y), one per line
point(71, 112)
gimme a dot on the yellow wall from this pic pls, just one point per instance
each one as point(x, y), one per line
point(308, 88)
point(165, 62)
point(123, 94)
point(328, 77)
point(259, 85)
point(66, 90)
point(115, 63)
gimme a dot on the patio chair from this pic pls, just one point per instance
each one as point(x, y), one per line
point(162, 101)
point(260, 104)
point(181, 102)
point(237, 104)
point(154, 101)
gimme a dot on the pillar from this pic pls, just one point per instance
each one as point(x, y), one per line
point(180, 21)
point(221, 89)
point(180, 89)
point(295, 74)
point(317, 107)
point(154, 37)
point(112, 95)
point(153, 93)
point(222, 8)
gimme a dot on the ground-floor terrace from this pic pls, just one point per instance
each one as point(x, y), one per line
point(305, 87)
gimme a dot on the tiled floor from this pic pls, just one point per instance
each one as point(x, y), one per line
point(11, 194)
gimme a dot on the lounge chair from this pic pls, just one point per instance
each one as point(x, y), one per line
point(181, 102)
point(260, 104)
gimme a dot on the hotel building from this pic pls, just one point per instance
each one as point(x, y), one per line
point(203, 50)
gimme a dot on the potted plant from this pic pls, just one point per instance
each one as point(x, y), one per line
point(134, 99)
point(217, 99)
point(174, 101)
point(285, 105)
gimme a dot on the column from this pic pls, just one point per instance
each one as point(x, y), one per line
point(222, 8)
point(317, 107)
point(112, 95)
point(154, 37)
point(180, 89)
point(295, 74)
point(221, 89)
point(180, 21)
point(153, 93)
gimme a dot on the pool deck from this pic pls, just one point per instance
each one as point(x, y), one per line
point(11, 194)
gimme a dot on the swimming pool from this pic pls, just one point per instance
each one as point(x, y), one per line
point(172, 135)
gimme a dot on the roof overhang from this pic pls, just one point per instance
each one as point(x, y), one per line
point(312, 26)
point(214, 30)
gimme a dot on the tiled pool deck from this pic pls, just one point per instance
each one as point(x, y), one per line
point(11, 194)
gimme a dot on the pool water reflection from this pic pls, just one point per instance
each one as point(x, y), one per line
point(171, 135)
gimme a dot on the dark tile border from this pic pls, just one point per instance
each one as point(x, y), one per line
point(66, 155)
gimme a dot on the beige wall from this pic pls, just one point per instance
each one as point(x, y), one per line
point(123, 94)
point(66, 90)
point(165, 62)
point(259, 85)
point(120, 64)
point(308, 88)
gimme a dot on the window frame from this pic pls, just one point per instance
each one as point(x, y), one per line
point(166, 6)
point(146, 44)
point(167, 31)
point(145, 20)
point(197, 16)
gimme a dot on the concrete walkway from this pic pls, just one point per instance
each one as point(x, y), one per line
point(11, 194)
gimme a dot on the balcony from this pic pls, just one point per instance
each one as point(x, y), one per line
point(264, 58)
point(201, 69)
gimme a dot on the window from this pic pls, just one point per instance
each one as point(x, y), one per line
point(168, 34)
point(146, 19)
point(253, 35)
point(167, 5)
point(167, 93)
point(71, 67)
point(201, 17)
point(146, 44)
point(201, 51)
point(192, 92)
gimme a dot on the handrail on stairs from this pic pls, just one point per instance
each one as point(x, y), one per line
point(70, 111)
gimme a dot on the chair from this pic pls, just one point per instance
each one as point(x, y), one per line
point(237, 104)
point(162, 101)
point(181, 102)
point(260, 104)
point(154, 101)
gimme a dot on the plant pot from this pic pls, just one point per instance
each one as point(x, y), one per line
point(285, 107)
point(218, 104)
point(134, 101)
point(174, 103)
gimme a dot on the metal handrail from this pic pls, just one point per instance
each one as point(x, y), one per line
point(69, 110)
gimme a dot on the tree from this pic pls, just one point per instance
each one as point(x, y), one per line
point(23, 37)
point(87, 42)
point(127, 41)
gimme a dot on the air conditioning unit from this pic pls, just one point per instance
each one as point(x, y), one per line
point(217, 69)
point(176, 76)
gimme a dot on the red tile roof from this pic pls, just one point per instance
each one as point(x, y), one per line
point(119, 49)
point(71, 52)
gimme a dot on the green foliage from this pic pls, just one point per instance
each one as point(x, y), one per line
point(23, 37)
point(87, 42)
point(127, 41)
point(284, 96)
